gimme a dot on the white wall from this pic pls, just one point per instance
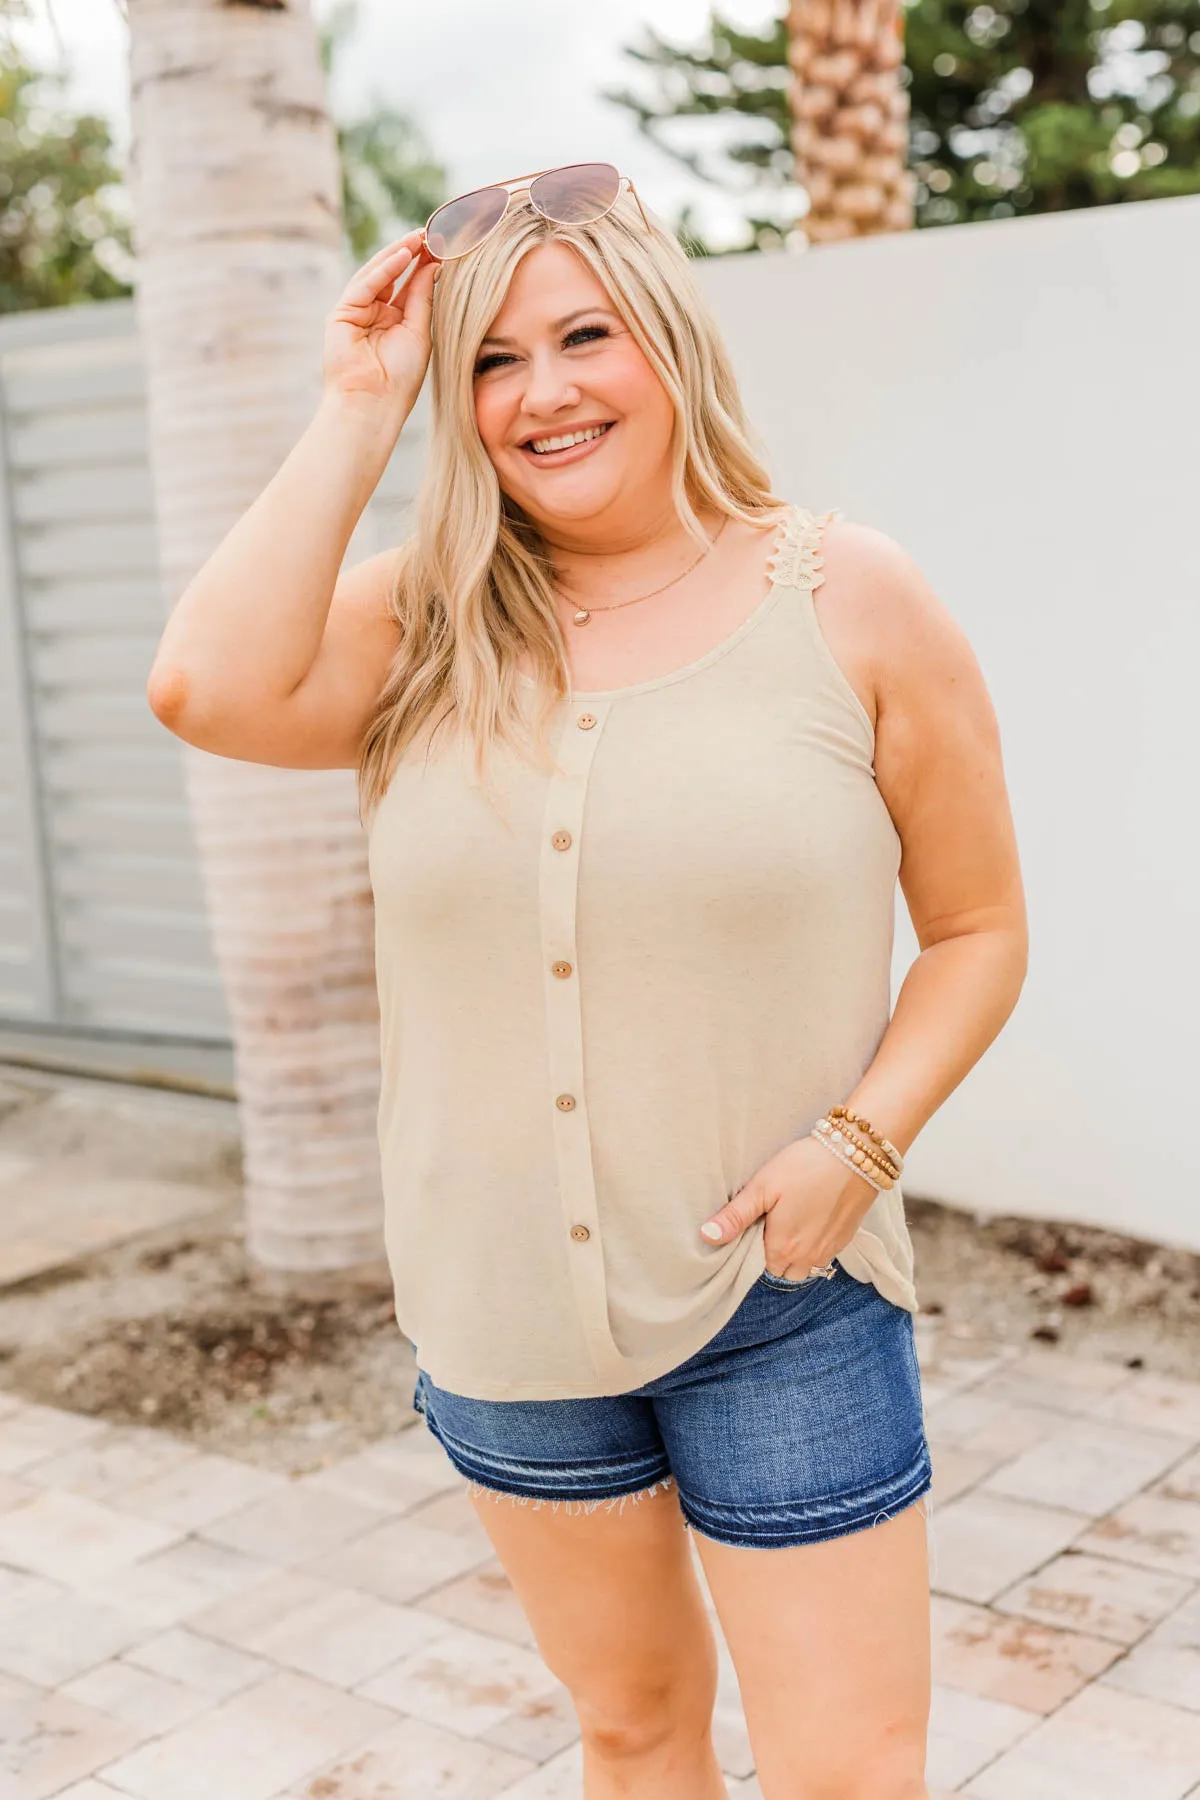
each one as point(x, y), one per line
point(1017, 403)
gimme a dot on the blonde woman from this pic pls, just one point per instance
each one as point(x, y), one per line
point(642, 750)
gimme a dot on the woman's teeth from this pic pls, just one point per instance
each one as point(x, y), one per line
point(542, 446)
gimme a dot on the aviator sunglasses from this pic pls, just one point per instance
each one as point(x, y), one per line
point(577, 194)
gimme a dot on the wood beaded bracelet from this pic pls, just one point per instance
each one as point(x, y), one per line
point(833, 1141)
point(862, 1142)
point(869, 1131)
point(890, 1165)
point(862, 1153)
point(861, 1156)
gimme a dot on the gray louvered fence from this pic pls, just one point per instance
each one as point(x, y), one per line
point(103, 937)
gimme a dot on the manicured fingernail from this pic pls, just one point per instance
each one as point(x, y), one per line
point(712, 1231)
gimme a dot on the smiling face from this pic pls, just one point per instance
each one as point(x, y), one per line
point(575, 421)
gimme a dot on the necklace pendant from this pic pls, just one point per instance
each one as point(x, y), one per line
point(582, 616)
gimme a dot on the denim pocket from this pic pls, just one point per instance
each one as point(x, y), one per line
point(783, 1284)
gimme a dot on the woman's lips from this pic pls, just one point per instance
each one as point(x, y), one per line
point(556, 458)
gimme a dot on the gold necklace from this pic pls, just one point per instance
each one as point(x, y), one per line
point(584, 613)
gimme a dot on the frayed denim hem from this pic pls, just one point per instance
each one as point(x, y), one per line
point(487, 1479)
point(612, 1503)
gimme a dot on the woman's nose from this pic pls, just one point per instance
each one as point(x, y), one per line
point(549, 387)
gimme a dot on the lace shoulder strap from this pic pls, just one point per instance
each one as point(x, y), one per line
point(796, 560)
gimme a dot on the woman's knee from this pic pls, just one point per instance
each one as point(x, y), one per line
point(641, 1713)
point(634, 1727)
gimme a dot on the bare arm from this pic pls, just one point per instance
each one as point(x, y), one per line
point(939, 770)
point(267, 655)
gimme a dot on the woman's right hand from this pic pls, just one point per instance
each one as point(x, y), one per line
point(376, 345)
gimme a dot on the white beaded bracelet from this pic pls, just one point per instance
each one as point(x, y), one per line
point(843, 1156)
point(863, 1156)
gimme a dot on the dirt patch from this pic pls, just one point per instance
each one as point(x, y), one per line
point(172, 1331)
point(185, 1371)
point(1095, 1293)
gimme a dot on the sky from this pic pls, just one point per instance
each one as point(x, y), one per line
point(497, 88)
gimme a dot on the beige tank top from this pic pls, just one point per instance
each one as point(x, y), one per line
point(606, 1004)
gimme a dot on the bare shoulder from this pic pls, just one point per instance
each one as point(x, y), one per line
point(937, 753)
point(883, 617)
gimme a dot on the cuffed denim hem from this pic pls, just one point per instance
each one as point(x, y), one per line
point(590, 1484)
point(781, 1527)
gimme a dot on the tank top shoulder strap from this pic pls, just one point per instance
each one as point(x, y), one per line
point(796, 561)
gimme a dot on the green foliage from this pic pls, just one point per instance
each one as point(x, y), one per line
point(390, 182)
point(1018, 106)
point(1044, 105)
point(62, 236)
point(739, 78)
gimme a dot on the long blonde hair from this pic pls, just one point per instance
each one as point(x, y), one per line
point(472, 594)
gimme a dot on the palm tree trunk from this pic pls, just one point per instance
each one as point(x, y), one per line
point(236, 189)
point(850, 112)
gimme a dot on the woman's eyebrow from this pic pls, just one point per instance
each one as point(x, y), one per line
point(555, 324)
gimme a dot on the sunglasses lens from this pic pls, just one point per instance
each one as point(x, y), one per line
point(463, 223)
point(578, 194)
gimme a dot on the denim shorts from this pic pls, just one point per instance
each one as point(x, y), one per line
point(800, 1420)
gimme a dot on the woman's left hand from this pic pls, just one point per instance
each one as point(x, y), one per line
point(813, 1206)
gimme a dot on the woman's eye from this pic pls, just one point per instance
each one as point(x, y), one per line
point(582, 333)
point(490, 362)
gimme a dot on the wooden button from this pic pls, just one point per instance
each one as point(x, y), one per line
point(561, 969)
point(561, 840)
point(580, 1233)
point(585, 721)
point(565, 1103)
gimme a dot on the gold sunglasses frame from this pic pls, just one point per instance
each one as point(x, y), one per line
point(515, 183)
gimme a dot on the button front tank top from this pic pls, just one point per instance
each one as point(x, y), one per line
point(606, 1002)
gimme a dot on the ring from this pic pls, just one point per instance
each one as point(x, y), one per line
point(826, 1270)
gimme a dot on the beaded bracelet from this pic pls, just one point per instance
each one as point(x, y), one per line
point(861, 1148)
point(892, 1164)
point(888, 1164)
point(862, 1155)
point(868, 1130)
point(842, 1156)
